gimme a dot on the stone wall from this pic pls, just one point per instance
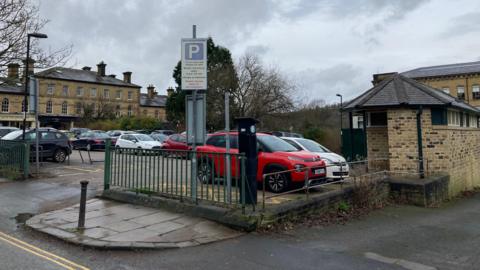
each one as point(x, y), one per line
point(451, 150)
point(377, 148)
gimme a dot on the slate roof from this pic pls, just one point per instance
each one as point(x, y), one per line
point(11, 87)
point(399, 90)
point(81, 76)
point(444, 70)
point(156, 101)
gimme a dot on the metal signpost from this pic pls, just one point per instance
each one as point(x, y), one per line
point(33, 106)
point(194, 79)
point(227, 146)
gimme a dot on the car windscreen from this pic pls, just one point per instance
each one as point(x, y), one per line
point(12, 135)
point(5, 131)
point(275, 144)
point(312, 146)
point(144, 138)
point(101, 135)
point(159, 137)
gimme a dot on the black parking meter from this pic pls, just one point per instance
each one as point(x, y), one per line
point(247, 144)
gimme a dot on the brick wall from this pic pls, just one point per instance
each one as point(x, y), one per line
point(377, 148)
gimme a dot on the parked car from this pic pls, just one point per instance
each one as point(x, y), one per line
point(274, 155)
point(176, 142)
point(160, 137)
point(164, 131)
point(52, 143)
point(5, 130)
point(285, 134)
point(79, 131)
point(92, 141)
point(137, 141)
point(337, 166)
point(117, 133)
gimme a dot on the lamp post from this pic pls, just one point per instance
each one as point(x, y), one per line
point(25, 107)
point(341, 121)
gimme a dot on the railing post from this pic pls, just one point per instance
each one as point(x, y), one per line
point(263, 192)
point(26, 160)
point(107, 166)
point(243, 182)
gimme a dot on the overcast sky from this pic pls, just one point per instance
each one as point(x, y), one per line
point(324, 46)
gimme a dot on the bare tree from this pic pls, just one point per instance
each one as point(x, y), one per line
point(261, 91)
point(17, 19)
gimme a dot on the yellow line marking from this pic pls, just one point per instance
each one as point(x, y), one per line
point(37, 251)
point(84, 170)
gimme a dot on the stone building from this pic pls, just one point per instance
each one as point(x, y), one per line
point(67, 94)
point(416, 129)
point(461, 80)
point(152, 104)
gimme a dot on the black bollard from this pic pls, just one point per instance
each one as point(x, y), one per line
point(83, 202)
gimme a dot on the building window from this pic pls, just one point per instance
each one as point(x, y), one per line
point(5, 104)
point(461, 92)
point(117, 111)
point(65, 91)
point(64, 107)
point(476, 91)
point(156, 113)
point(439, 116)
point(130, 94)
point(50, 89)
point(79, 91)
point(473, 121)
point(78, 108)
point(93, 107)
point(48, 108)
point(446, 90)
point(93, 92)
point(129, 110)
point(454, 118)
point(119, 94)
point(377, 119)
point(106, 93)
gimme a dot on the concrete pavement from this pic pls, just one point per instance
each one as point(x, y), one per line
point(115, 225)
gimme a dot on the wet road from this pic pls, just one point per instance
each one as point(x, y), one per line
point(394, 238)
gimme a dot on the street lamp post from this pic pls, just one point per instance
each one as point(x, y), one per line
point(25, 105)
point(341, 121)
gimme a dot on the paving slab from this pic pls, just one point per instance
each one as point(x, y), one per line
point(114, 225)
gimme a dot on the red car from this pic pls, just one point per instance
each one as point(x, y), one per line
point(176, 142)
point(274, 155)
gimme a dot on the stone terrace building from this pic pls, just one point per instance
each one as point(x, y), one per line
point(461, 80)
point(152, 104)
point(414, 128)
point(66, 92)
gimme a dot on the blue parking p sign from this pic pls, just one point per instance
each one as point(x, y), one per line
point(194, 51)
point(194, 64)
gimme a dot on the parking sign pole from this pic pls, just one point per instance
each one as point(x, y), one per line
point(227, 146)
point(194, 135)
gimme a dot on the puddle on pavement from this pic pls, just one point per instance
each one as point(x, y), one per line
point(21, 218)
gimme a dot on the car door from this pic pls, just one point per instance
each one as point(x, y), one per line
point(48, 143)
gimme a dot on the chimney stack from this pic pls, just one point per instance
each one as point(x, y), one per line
point(31, 63)
point(13, 71)
point(151, 91)
point(127, 77)
point(86, 68)
point(170, 91)
point(101, 69)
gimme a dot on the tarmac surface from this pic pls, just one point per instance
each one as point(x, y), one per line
point(397, 237)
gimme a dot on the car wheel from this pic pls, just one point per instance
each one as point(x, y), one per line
point(60, 155)
point(277, 182)
point(205, 172)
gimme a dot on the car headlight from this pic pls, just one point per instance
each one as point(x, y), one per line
point(299, 167)
point(327, 161)
point(296, 158)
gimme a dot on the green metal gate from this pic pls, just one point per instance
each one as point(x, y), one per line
point(14, 159)
point(354, 146)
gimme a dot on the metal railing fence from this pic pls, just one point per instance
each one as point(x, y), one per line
point(14, 159)
point(168, 173)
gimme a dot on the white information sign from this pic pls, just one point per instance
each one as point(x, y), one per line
point(194, 64)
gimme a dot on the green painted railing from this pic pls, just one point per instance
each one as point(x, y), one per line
point(169, 173)
point(14, 159)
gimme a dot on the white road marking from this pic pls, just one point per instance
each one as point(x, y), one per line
point(70, 174)
point(400, 262)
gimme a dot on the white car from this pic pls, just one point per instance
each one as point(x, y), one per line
point(337, 166)
point(137, 141)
